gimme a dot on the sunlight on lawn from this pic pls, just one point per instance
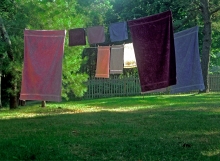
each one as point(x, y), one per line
point(172, 103)
point(211, 152)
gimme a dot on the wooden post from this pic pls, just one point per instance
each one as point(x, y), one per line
point(43, 104)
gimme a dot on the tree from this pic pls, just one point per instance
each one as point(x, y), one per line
point(208, 8)
point(47, 15)
point(10, 59)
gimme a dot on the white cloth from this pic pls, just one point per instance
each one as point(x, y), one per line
point(129, 56)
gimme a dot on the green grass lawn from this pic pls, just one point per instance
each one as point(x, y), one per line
point(150, 128)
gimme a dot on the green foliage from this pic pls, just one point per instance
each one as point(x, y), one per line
point(44, 15)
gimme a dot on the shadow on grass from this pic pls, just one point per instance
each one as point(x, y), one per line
point(143, 134)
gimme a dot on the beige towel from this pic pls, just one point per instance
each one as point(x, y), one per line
point(129, 56)
point(103, 58)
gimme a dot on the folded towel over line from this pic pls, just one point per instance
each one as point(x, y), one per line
point(77, 37)
point(96, 34)
point(189, 72)
point(118, 31)
point(42, 72)
point(116, 59)
point(153, 42)
point(103, 59)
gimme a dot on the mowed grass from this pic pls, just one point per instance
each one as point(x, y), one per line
point(150, 128)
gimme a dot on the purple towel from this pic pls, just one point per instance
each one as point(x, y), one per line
point(154, 50)
point(118, 31)
point(116, 59)
point(189, 72)
point(96, 34)
point(77, 37)
point(42, 72)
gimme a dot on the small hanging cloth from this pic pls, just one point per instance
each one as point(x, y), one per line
point(42, 72)
point(96, 34)
point(116, 60)
point(129, 56)
point(189, 71)
point(153, 42)
point(118, 31)
point(103, 59)
point(77, 37)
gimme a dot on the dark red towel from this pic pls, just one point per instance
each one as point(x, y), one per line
point(153, 42)
point(77, 37)
point(42, 71)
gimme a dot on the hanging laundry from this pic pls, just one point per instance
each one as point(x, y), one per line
point(129, 56)
point(118, 31)
point(189, 72)
point(77, 37)
point(103, 59)
point(96, 34)
point(42, 71)
point(116, 59)
point(154, 50)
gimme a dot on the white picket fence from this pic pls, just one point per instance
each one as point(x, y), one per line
point(128, 86)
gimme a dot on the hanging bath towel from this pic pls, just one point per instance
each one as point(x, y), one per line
point(103, 59)
point(116, 60)
point(77, 37)
point(154, 50)
point(118, 31)
point(189, 72)
point(129, 56)
point(96, 34)
point(42, 71)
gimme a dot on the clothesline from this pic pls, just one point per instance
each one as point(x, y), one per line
point(154, 53)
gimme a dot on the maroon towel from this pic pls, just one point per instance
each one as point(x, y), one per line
point(154, 50)
point(103, 59)
point(77, 37)
point(42, 71)
point(96, 34)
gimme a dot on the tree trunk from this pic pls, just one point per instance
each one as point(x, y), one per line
point(0, 89)
point(207, 41)
point(13, 85)
point(43, 104)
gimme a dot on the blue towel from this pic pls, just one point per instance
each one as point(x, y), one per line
point(118, 31)
point(189, 72)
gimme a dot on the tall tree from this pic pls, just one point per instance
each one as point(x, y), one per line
point(208, 8)
point(44, 15)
